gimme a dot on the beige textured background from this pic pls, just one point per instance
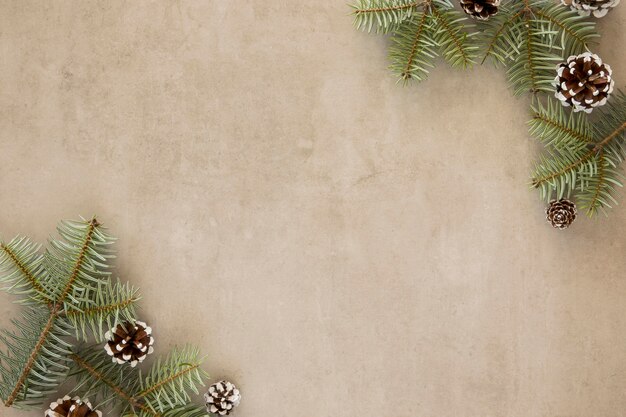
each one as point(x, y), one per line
point(336, 244)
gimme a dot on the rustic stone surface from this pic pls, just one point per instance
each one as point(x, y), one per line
point(338, 245)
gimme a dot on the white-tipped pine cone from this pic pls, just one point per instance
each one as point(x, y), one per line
point(71, 407)
point(583, 82)
point(480, 9)
point(561, 213)
point(129, 343)
point(597, 8)
point(222, 397)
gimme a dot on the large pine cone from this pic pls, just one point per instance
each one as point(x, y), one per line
point(598, 8)
point(583, 82)
point(561, 213)
point(71, 407)
point(480, 9)
point(129, 342)
point(222, 397)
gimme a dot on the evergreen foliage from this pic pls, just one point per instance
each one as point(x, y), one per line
point(421, 31)
point(529, 38)
point(581, 157)
point(67, 293)
point(163, 390)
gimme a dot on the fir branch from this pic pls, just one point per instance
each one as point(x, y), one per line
point(39, 346)
point(110, 305)
point(167, 383)
point(186, 410)
point(73, 274)
point(568, 168)
point(78, 263)
point(412, 52)
point(384, 15)
point(452, 39)
point(43, 337)
point(566, 29)
point(561, 129)
point(162, 392)
point(20, 264)
point(420, 29)
point(102, 377)
point(581, 159)
point(532, 69)
point(187, 368)
point(498, 32)
point(530, 37)
point(611, 136)
point(597, 189)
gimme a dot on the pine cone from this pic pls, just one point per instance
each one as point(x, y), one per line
point(584, 82)
point(561, 213)
point(598, 8)
point(71, 407)
point(222, 397)
point(480, 9)
point(129, 342)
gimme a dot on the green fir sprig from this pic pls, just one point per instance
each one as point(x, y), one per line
point(68, 295)
point(582, 156)
point(421, 31)
point(529, 38)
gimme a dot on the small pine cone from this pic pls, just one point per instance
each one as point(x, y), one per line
point(561, 213)
point(71, 407)
point(222, 397)
point(584, 82)
point(480, 9)
point(598, 8)
point(129, 343)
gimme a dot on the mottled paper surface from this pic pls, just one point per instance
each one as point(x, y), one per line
point(336, 244)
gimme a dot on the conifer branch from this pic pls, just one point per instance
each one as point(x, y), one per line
point(494, 38)
point(22, 271)
point(416, 41)
point(34, 282)
point(600, 183)
point(614, 134)
point(558, 128)
point(41, 357)
point(28, 366)
point(563, 129)
point(161, 392)
point(530, 37)
point(103, 309)
point(78, 263)
point(385, 15)
point(161, 387)
point(452, 39)
point(99, 376)
point(58, 305)
point(169, 379)
point(529, 55)
point(581, 159)
point(577, 163)
point(412, 52)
